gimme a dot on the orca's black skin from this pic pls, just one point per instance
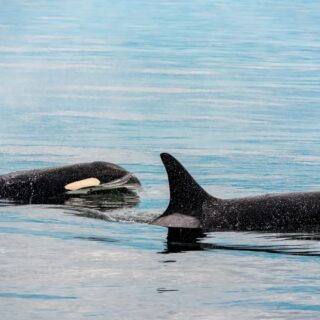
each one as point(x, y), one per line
point(191, 207)
point(42, 185)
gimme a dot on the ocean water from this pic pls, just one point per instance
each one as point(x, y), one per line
point(231, 88)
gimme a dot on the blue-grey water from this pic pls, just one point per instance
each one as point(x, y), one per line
point(231, 88)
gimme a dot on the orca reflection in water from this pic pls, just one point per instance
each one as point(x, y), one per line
point(57, 184)
point(100, 202)
point(181, 243)
point(191, 207)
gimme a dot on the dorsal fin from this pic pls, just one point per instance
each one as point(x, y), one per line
point(186, 196)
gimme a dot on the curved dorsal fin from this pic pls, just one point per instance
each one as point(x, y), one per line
point(186, 197)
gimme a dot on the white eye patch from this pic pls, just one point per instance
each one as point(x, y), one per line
point(85, 183)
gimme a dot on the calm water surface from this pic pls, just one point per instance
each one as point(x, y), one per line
point(229, 87)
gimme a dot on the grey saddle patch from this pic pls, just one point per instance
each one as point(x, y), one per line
point(178, 220)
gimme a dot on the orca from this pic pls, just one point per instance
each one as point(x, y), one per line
point(45, 185)
point(192, 210)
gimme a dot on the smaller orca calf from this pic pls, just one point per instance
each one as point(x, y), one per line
point(192, 208)
point(43, 185)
